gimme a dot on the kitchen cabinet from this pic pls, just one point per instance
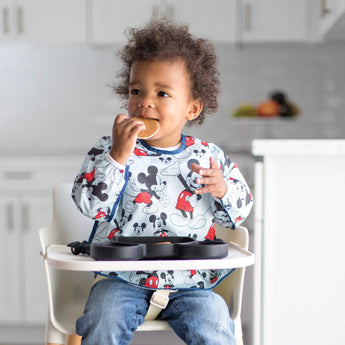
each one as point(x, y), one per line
point(37, 211)
point(331, 12)
point(43, 21)
point(215, 20)
point(10, 278)
point(23, 296)
point(211, 19)
point(299, 242)
point(110, 18)
point(272, 20)
point(104, 21)
point(26, 184)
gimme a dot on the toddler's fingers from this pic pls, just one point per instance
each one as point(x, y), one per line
point(196, 168)
point(119, 118)
point(123, 124)
point(207, 180)
point(202, 190)
point(212, 171)
point(213, 164)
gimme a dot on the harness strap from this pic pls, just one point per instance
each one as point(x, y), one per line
point(159, 300)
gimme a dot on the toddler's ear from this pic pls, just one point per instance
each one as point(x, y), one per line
point(194, 109)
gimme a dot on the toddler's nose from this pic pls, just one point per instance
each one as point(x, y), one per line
point(146, 103)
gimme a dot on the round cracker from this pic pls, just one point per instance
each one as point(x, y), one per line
point(152, 127)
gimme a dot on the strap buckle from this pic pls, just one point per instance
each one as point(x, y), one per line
point(160, 300)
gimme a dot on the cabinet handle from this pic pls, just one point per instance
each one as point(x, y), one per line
point(18, 175)
point(10, 217)
point(247, 20)
point(163, 8)
point(170, 12)
point(155, 11)
point(25, 217)
point(20, 20)
point(324, 9)
point(6, 20)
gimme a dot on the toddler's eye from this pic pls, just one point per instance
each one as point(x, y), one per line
point(134, 92)
point(162, 94)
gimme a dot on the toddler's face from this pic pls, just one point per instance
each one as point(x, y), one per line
point(161, 91)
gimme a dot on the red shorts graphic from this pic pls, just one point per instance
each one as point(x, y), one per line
point(143, 197)
point(182, 203)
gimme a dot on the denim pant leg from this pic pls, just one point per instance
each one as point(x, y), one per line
point(113, 312)
point(200, 317)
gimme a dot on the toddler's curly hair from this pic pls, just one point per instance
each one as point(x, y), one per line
point(164, 40)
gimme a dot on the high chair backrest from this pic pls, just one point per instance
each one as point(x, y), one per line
point(68, 223)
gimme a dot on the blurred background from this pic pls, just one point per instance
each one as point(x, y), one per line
point(57, 63)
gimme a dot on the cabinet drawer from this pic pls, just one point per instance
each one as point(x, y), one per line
point(37, 172)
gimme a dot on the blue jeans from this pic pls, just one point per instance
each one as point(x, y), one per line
point(115, 309)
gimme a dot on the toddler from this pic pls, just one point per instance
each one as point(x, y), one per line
point(168, 185)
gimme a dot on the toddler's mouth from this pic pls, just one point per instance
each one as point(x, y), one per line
point(145, 117)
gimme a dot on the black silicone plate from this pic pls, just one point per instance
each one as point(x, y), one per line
point(148, 248)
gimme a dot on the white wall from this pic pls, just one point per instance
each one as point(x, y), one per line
point(56, 97)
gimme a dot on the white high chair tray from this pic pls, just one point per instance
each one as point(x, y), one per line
point(60, 257)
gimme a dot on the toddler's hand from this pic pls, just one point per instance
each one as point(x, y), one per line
point(212, 178)
point(125, 132)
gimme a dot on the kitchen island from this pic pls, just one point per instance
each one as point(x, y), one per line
point(299, 242)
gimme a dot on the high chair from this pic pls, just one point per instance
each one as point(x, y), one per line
point(68, 288)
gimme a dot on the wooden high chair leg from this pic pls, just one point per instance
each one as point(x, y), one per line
point(73, 339)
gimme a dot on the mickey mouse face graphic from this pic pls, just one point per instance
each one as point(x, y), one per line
point(139, 228)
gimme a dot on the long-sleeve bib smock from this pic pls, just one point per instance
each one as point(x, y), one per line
point(153, 195)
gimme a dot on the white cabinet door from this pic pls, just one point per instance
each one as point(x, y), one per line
point(215, 20)
point(110, 18)
point(26, 184)
point(210, 19)
point(272, 20)
point(23, 290)
point(331, 12)
point(36, 213)
point(10, 263)
point(43, 21)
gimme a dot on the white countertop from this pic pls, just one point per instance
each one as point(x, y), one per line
point(298, 147)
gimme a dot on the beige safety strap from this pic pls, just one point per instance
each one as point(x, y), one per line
point(159, 300)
